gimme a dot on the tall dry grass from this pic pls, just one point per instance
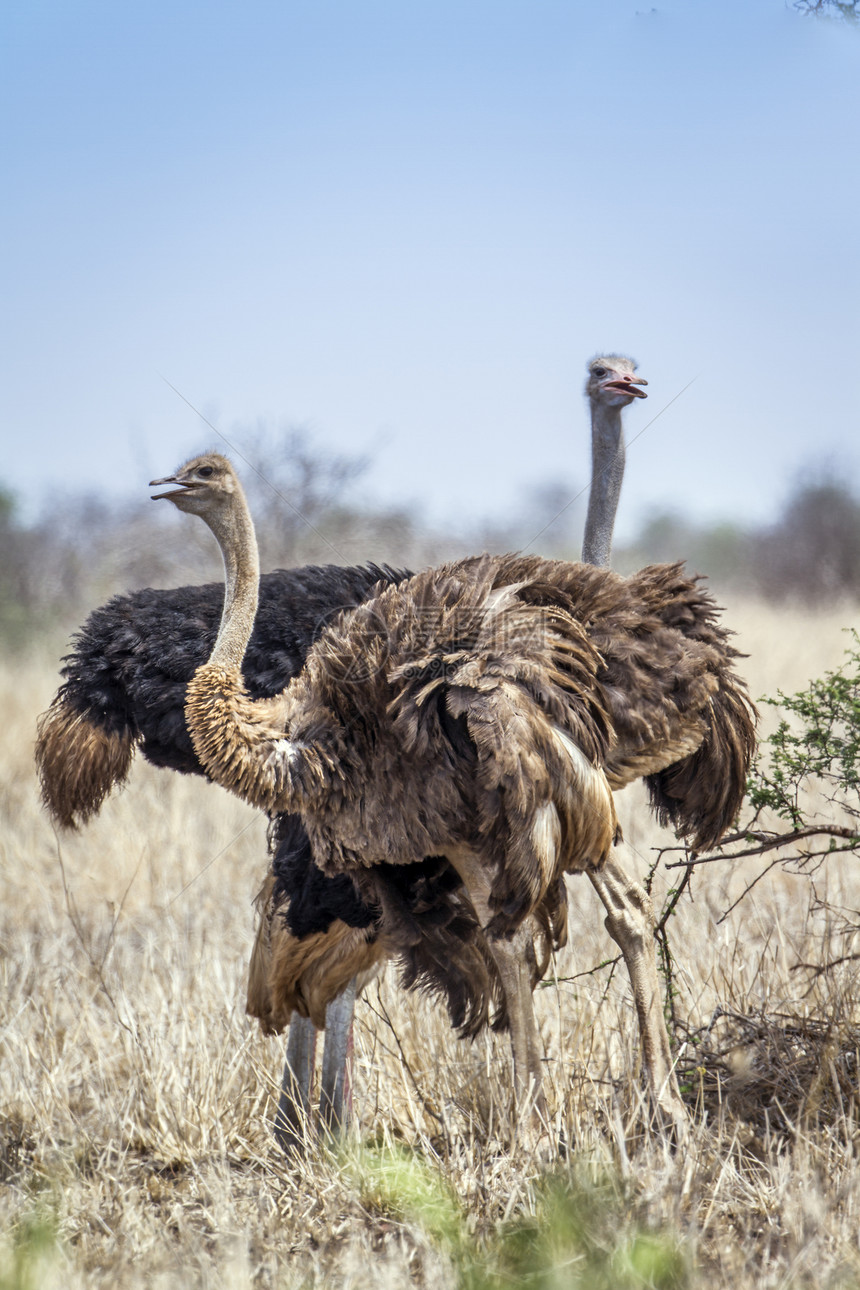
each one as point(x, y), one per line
point(136, 1097)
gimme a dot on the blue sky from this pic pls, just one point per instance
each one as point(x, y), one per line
point(407, 226)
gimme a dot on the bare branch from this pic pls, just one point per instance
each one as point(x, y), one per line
point(772, 842)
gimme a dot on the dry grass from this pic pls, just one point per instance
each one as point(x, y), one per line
point(135, 1095)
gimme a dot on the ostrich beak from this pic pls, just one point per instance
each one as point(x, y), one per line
point(184, 487)
point(626, 385)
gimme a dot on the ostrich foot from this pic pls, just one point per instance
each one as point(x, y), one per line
point(669, 1111)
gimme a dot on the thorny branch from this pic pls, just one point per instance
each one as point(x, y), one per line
point(768, 841)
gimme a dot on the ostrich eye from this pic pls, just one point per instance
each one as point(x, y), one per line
point(599, 371)
point(204, 471)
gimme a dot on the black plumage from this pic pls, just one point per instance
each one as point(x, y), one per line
point(310, 899)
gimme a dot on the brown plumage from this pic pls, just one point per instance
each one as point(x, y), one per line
point(638, 670)
point(372, 763)
point(481, 712)
point(681, 716)
point(79, 763)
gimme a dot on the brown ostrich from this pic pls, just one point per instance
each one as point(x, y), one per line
point(611, 385)
point(483, 712)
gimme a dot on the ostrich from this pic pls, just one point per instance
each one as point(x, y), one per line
point(124, 689)
point(611, 386)
point(498, 702)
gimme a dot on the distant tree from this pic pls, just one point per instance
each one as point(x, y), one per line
point(811, 553)
point(7, 508)
point(850, 12)
point(85, 548)
point(547, 520)
point(16, 570)
point(724, 551)
point(294, 489)
point(813, 550)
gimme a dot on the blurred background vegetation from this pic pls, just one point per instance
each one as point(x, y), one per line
point(309, 508)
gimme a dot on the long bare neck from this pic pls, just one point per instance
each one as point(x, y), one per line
point(243, 743)
point(607, 472)
point(234, 531)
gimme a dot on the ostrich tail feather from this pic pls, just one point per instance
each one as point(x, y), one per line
point(290, 974)
point(79, 763)
point(702, 794)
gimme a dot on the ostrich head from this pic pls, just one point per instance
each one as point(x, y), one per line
point(612, 381)
point(611, 385)
point(209, 487)
point(206, 484)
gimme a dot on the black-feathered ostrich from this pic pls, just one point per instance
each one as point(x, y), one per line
point(317, 941)
point(124, 689)
point(482, 712)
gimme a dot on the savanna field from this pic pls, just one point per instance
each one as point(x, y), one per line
point(136, 1097)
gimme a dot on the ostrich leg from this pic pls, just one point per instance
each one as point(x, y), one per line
point(630, 923)
point(336, 1090)
point(512, 959)
point(294, 1103)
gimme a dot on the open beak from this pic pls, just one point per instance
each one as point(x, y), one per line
point(184, 487)
point(626, 386)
